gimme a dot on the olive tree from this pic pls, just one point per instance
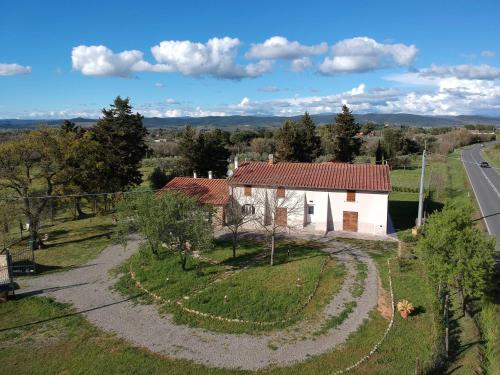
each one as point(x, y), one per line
point(170, 220)
point(456, 253)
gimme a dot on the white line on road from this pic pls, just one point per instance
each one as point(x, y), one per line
point(489, 181)
point(477, 196)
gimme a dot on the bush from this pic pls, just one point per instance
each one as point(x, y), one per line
point(158, 179)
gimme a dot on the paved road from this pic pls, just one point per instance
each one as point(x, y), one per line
point(486, 185)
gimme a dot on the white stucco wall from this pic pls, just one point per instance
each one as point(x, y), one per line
point(329, 206)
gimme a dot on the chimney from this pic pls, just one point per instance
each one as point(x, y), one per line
point(210, 176)
point(271, 159)
point(236, 162)
point(194, 174)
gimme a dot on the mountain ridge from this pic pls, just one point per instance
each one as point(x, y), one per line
point(403, 119)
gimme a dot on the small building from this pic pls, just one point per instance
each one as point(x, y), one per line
point(318, 197)
point(212, 191)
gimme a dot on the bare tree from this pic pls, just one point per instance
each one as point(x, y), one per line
point(235, 216)
point(276, 210)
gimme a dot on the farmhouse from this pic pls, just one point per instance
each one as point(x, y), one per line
point(213, 191)
point(316, 197)
point(319, 197)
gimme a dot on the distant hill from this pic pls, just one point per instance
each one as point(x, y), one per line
point(229, 122)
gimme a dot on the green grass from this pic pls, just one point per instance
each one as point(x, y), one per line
point(71, 242)
point(336, 320)
point(257, 293)
point(449, 182)
point(359, 281)
point(58, 342)
point(492, 155)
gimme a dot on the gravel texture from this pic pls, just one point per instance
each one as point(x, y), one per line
point(89, 289)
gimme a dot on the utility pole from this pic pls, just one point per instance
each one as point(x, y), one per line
point(421, 195)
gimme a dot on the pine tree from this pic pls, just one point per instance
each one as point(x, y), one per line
point(344, 141)
point(379, 154)
point(285, 139)
point(308, 142)
point(188, 144)
point(121, 135)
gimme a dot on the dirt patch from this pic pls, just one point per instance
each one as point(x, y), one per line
point(384, 302)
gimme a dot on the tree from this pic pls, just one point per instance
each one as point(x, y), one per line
point(203, 152)
point(274, 211)
point(69, 126)
point(341, 138)
point(171, 221)
point(379, 154)
point(157, 179)
point(456, 253)
point(236, 216)
point(309, 142)
point(32, 166)
point(297, 141)
point(188, 149)
point(213, 153)
point(121, 134)
point(285, 141)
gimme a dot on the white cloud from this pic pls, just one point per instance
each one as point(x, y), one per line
point(101, 61)
point(487, 53)
point(450, 96)
point(13, 69)
point(300, 64)
point(159, 84)
point(171, 101)
point(464, 71)
point(278, 47)
point(363, 54)
point(215, 58)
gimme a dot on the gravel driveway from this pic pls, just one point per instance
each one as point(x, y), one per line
point(89, 289)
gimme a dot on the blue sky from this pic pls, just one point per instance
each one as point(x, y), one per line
point(63, 59)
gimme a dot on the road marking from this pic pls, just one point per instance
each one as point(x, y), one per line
point(477, 199)
point(489, 181)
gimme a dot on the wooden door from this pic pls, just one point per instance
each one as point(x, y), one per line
point(350, 221)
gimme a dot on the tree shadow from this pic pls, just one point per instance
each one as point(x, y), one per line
point(418, 310)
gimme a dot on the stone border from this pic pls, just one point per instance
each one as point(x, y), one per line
point(139, 285)
point(377, 345)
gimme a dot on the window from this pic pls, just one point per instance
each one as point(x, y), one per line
point(280, 192)
point(248, 209)
point(281, 216)
point(248, 191)
point(351, 195)
point(310, 210)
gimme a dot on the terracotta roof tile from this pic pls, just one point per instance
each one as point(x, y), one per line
point(336, 176)
point(209, 191)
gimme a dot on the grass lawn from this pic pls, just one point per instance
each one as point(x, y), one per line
point(492, 154)
point(71, 242)
point(258, 293)
point(449, 182)
point(49, 339)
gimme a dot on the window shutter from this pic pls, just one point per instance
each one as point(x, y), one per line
point(351, 195)
point(248, 191)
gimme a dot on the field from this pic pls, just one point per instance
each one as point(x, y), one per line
point(58, 341)
point(448, 181)
point(245, 288)
point(492, 154)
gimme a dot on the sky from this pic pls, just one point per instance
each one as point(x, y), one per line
point(65, 59)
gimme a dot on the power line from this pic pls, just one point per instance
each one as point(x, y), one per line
point(80, 195)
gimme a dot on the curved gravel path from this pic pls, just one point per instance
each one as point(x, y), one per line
point(89, 289)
